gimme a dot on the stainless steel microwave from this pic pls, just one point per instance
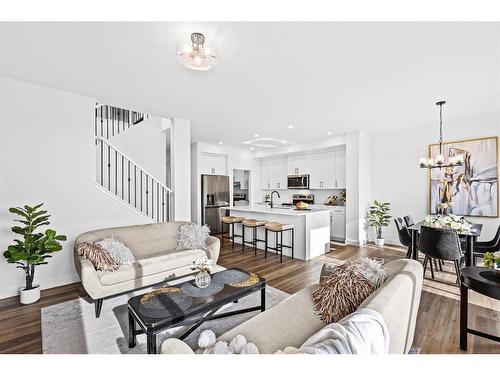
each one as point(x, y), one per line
point(300, 181)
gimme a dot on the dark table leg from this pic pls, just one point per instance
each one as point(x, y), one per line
point(131, 330)
point(414, 251)
point(464, 303)
point(469, 257)
point(263, 299)
point(151, 342)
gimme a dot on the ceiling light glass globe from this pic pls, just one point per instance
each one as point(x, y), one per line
point(198, 55)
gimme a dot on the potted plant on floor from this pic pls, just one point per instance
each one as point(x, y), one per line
point(379, 217)
point(33, 249)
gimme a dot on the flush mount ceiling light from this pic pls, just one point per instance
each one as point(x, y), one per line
point(198, 55)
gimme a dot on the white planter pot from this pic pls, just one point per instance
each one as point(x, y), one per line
point(379, 241)
point(29, 296)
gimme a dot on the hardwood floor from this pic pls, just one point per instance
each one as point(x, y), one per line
point(437, 325)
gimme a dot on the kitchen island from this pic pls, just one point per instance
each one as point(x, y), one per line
point(312, 228)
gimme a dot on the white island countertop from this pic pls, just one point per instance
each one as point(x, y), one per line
point(311, 228)
point(277, 210)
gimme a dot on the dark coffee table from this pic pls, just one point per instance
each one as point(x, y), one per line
point(185, 304)
point(481, 280)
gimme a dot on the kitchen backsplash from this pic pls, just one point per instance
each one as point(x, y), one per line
point(320, 196)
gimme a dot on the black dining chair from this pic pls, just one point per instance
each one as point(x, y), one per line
point(408, 220)
point(404, 235)
point(441, 244)
point(438, 264)
point(481, 247)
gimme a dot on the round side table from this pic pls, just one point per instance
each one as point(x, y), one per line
point(481, 280)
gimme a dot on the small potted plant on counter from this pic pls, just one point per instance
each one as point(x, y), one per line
point(379, 217)
point(33, 249)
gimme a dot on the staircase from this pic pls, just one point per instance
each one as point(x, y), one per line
point(110, 121)
point(121, 177)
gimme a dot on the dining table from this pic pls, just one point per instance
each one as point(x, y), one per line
point(470, 237)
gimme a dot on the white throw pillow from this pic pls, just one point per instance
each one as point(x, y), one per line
point(120, 253)
point(362, 332)
point(192, 237)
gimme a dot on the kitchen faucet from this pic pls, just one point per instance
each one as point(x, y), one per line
point(272, 204)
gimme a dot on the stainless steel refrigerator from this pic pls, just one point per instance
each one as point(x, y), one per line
point(214, 196)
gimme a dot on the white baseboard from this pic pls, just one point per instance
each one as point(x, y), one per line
point(45, 284)
point(351, 242)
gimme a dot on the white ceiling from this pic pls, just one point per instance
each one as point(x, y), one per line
point(318, 77)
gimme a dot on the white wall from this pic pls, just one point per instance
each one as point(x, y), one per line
point(236, 159)
point(145, 144)
point(397, 177)
point(181, 167)
point(47, 155)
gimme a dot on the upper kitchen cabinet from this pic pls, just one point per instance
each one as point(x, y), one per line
point(279, 173)
point(340, 170)
point(322, 170)
point(213, 163)
point(273, 173)
point(298, 164)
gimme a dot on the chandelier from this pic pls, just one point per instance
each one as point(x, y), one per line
point(197, 55)
point(440, 161)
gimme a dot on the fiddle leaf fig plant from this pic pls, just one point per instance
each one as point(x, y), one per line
point(379, 217)
point(35, 245)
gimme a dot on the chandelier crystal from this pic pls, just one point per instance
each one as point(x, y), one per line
point(197, 55)
point(439, 161)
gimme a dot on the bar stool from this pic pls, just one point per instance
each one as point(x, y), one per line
point(278, 229)
point(254, 225)
point(230, 221)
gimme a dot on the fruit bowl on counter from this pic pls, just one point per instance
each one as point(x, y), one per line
point(301, 206)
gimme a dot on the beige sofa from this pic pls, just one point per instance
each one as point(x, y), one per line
point(157, 260)
point(293, 321)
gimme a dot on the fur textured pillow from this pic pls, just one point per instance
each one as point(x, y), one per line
point(99, 258)
point(347, 286)
point(371, 269)
point(120, 253)
point(192, 236)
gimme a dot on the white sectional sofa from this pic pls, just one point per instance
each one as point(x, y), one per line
point(157, 260)
point(293, 321)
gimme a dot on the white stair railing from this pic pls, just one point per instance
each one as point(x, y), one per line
point(122, 177)
point(111, 121)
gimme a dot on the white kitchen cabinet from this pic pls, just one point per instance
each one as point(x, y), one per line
point(213, 163)
point(340, 170)
point(265, 174)
point(298, 164)
point(279, 176)
point(326, 169)
point(315, 163)
point(337, 223)
point(322, 170)
point(273, 174)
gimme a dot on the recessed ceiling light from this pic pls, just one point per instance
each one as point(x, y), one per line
point(252, 148)
point(290, 126)
point(255, 135)
point(328, 133)
point(284, 142)
point(221, 143)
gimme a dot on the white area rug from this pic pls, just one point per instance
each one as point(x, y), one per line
point(71, 327)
